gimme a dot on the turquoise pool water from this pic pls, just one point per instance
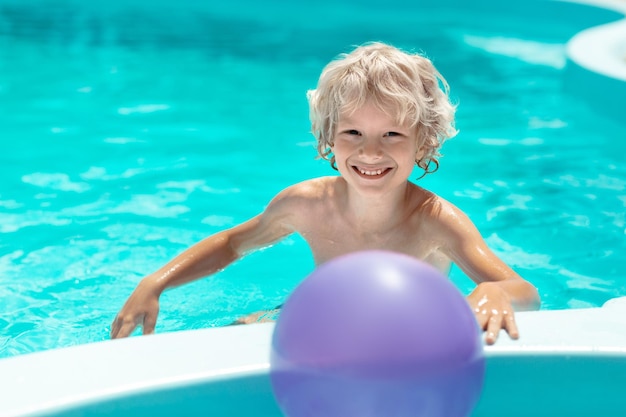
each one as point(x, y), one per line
point(127, 138)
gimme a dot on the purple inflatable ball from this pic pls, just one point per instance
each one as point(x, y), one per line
point(374, 334)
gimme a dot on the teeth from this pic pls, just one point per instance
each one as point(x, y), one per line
point(376, 172)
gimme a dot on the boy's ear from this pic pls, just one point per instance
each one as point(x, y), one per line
point(420, 153)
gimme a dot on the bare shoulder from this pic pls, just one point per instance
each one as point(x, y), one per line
point(301, 200)
point(438, 213)
point(306, 192)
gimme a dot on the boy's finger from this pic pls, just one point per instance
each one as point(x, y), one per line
point(149, 322)
point(481, 318)
point(511, 325)
point(115, 326)
point(493, 328)
point(124, 331)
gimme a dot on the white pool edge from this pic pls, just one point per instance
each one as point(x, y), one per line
point(602, 48)
point(596, 63)
point(52, 381)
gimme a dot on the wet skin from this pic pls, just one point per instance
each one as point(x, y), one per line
point(371, 205)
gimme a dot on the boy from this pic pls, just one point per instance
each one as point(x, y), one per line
point(376, 113)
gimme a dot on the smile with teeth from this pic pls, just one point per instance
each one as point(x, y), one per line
point(371, 172)
point(376, 172)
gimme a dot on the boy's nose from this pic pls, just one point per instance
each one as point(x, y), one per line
point(371, 147)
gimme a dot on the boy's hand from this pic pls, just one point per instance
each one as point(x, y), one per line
point(141, 309)
point(493, 311)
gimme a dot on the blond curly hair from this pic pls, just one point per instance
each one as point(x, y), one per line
point(405, 86)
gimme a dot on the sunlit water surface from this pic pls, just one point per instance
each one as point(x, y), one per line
point(123, 145)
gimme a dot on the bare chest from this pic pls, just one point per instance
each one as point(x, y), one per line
point(329, 242)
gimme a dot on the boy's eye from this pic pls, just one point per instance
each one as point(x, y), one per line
point(393, 134)
point(353, 132)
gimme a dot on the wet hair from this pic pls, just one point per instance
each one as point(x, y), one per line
point(406, 86)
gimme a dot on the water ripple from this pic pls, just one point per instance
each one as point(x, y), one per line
point(55, 181)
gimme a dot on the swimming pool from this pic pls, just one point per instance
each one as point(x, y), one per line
point(150, 127)
point(134, 141)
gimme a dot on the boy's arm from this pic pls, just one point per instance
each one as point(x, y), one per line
point(204, 258)
point(499, 289)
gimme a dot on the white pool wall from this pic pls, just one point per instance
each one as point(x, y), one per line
point(566, 362)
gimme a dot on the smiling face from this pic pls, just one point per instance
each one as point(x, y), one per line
point(374, 153)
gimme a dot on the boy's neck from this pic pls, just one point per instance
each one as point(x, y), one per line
point(376, 214)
